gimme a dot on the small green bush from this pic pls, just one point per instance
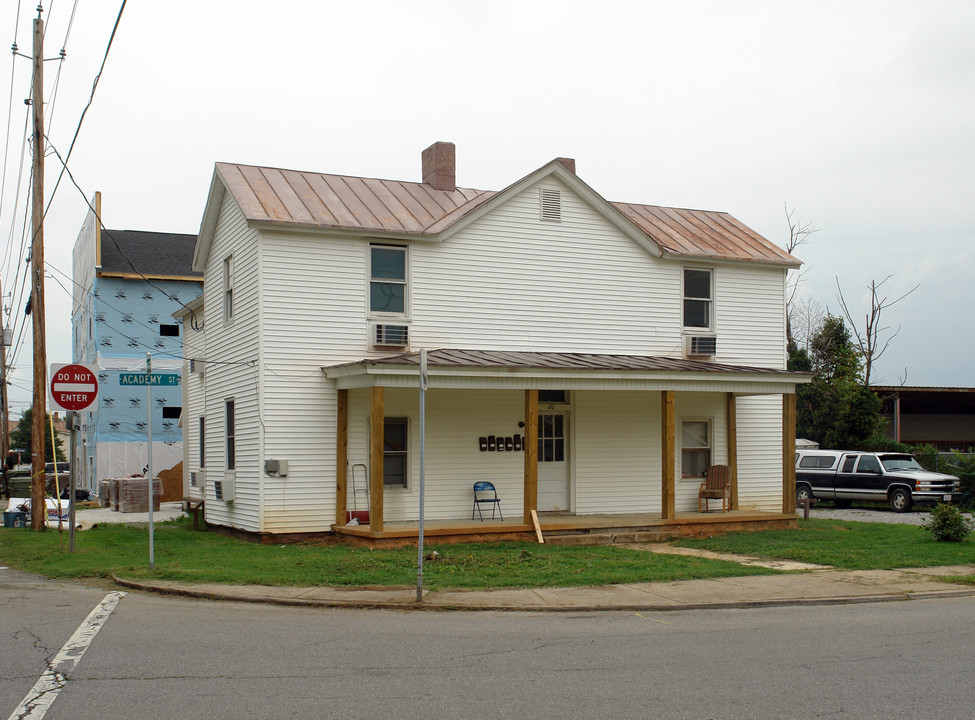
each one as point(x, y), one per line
point(947, 524)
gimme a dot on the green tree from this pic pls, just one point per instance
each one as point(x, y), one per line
point(835, 409)
point(21, 438)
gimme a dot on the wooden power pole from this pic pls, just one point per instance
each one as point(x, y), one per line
point(38, 503)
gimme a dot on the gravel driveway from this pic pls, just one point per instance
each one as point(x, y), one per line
point(881, 514)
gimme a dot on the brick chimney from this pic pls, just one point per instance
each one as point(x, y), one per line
point(569, 163)
point(439, 166)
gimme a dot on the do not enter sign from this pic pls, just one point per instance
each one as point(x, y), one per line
point(73, 387)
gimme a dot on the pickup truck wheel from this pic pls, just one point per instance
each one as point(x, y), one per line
point(900, 500)
point(803, 492)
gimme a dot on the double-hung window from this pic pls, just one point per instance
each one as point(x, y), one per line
point(395, 451)
point(228, 288)
point(231, 437)
point(698, 298)
point(387, 279)
point(695, 448)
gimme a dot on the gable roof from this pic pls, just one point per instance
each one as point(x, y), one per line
point(290, 198)
point(134, 253)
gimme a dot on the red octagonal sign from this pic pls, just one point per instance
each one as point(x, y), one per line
point(73, 387)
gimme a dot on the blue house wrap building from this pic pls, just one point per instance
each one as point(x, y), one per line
point(127, 285)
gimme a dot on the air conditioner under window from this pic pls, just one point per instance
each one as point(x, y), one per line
point(224, 489)
point(701, 345)
point(391, 335)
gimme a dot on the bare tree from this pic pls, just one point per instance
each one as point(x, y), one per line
point(871, 335)
point(806, 318)
point(799, 233)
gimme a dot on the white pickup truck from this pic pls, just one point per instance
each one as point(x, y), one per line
point(847, 475)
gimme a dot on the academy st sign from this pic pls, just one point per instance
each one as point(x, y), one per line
point(73, 387)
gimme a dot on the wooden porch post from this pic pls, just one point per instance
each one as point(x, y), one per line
point(668, 444)
point(733, 448)
point(531, 454)
point(377, 408)
point(789, 453)
point(341, 456)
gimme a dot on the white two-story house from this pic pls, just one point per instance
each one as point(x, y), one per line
point(590, 358)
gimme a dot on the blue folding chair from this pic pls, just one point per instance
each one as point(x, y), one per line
point(484, 492)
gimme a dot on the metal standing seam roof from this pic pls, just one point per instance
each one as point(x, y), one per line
point(341, 202)
point(522, 360)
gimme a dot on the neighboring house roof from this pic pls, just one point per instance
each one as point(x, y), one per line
point(158, 255)
point(930, 400)
point(273, 196)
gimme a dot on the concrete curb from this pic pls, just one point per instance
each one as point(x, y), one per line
point(432, 604)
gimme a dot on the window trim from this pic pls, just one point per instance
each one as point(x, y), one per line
point(406, 283)
point(691, 329)
point(230, 432)
point(709, 421)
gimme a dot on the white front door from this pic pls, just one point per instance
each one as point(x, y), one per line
point(553, 461)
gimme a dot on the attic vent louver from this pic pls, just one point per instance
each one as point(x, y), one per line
point(550, 204)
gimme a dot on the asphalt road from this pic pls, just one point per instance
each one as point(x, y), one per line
point(158, 657)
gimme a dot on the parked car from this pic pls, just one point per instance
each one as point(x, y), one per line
point(846, 475)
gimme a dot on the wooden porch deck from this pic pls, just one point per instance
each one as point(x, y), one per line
point(625, 525)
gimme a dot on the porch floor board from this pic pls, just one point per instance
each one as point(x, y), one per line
point(689, 523)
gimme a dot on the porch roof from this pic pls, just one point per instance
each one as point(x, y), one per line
point(506, 369)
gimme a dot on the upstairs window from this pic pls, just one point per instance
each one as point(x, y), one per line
point(387, 279)
point(228, 288)
point(698, 298)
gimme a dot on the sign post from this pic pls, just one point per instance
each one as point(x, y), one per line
point(148, 379)
point(74, 387)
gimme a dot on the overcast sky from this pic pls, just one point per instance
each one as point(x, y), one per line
point(859, 116)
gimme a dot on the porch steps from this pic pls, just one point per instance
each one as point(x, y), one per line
point(610, 538)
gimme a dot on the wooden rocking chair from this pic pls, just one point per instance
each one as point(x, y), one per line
point(716, 485)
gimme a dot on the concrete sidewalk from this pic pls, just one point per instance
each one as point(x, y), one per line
point(818, 587)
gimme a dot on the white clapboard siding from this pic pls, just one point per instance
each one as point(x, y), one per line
point(233, 348)
point(760, 453)
point(194, 404)
point(512, 281)
point(750, 315)
point(615, 448)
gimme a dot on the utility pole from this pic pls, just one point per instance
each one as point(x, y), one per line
point(4, 416)
point(38, 505)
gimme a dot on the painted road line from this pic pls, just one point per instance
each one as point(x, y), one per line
point(45, 691)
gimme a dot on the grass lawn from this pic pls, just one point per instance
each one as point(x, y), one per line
point(185, 555)
point(846, 544)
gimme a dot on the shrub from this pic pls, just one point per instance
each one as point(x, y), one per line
point(947, 524)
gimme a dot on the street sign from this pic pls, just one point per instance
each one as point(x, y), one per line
point(73, 387)
point(150, 379)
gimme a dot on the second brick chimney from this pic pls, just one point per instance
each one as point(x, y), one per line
point(439, 166)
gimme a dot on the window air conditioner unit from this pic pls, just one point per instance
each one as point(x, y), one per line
point(391, 335)
point(224, 489)
point(702, 346)
point(196, 366)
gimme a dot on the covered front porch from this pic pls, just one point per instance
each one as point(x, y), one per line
point(638, 383)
